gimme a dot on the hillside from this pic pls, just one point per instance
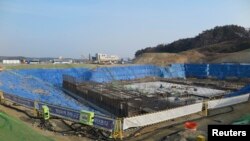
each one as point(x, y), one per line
point(169, 58)
point(193, 57)
point(237, 57)
point(217, 45)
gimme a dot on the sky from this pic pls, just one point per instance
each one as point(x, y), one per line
point(75, 28)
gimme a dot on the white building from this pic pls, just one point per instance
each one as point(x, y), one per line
point(62, 61)
point(11, 62)
point(106, 58)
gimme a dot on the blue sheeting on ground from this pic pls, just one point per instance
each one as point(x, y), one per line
point(31, 87)
point(109, 74)
point(53, 76)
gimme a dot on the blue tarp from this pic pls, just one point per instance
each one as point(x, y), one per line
point(45, 84)
point(109, 74)
point(31, 87)
point(52, 76)
point(242, 91)
point(174, 71)
point(196, 70)
point(219, 71)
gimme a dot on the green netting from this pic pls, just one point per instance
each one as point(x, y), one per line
point(12, 129)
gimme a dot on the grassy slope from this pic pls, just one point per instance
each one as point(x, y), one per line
point(27, 66)
point(59, 66)
point(12, 129)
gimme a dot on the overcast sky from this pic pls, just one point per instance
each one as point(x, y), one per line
point(71, 28)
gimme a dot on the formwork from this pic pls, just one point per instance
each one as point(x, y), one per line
point(141, 96)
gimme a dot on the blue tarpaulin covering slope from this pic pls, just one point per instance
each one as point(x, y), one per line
point(53, 76)
point(33, 88)
point(108, 74)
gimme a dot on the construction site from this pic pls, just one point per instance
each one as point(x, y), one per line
point(147, 95)
point(121, 101)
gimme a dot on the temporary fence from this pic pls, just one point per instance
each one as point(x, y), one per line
point(152, 118)
point(173, 71)
point(100, 121)
point(108, 74)
point(219, 71)
point(218, 103)
point(196, 70)
point(157, 117)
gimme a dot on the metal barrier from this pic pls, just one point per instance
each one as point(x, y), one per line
point(62, 112)
point(19, 100)
point(100, 122)
point(219, 71)
point(104, 123)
